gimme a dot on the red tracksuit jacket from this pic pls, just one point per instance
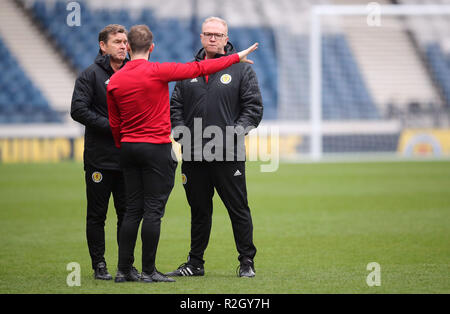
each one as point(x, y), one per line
point(138, 97)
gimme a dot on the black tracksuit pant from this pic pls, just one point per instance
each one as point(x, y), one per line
point(149, 172)
point(100, 184)
point(228, 178)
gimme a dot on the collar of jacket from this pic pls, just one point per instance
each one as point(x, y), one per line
point(104, 62)
point(229, 49)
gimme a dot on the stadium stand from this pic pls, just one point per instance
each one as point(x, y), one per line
point(38, 61)
point(433, 38)
point(176, 38)
point(389, 61)
point(346, 98)
point(440, 65)
point(345, 91)
point(352, 88)
point(80, 44)
point(20, 100)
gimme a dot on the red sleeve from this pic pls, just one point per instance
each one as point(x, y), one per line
point(170, 71)
point(114, 117)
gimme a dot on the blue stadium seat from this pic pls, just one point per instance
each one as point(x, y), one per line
point(345, 94)
point(80, 44)
point(20, 99)
point(440, 66)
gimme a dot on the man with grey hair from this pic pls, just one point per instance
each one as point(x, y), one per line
point(229, 99)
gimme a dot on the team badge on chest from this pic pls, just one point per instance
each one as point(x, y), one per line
point(97, 177)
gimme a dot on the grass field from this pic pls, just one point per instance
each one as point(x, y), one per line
point(316, 227)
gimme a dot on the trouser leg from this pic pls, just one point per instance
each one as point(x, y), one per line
point(132, 217)
point(229, 180)
point(199, 193)
point(149, 173)
point(134, 207)
point(98, 191)
point(120, 200)
point(158, 179)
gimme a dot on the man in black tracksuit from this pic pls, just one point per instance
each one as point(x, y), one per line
point(101, 157)
point(230, 98)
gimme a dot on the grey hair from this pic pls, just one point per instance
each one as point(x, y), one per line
point(216, 19)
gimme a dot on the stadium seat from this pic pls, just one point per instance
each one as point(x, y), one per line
point(20, 100)
point(176, 40)
point(346, 95)
point(440, 66)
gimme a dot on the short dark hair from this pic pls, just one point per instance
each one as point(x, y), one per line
point(111, 29)
point(140, 38)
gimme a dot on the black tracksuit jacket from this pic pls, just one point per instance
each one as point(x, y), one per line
point(89, 108)
point(230, 98)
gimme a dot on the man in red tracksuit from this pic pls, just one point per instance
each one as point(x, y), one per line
point(139, 115)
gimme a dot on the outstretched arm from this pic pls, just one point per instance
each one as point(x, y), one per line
point(181, 71)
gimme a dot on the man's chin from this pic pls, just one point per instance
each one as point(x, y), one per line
point(212, 51)
point(118, 58)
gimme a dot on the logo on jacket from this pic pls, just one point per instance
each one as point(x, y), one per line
point(107, 82)
point(183, 178)
point(237, 173)
point(97, 177)
point(225, 79)
point(194, 80)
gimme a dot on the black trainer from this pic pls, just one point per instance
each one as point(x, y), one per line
point(246, 268)
point(101, 272)
point(135, 272)
point(132, 275)
point(156, 276)
point(187, 269)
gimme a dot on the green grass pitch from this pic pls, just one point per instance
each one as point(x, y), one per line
point(316, 227)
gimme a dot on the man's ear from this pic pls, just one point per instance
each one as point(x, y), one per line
point(102, 47)
point(128, 47)
point(152, 47)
